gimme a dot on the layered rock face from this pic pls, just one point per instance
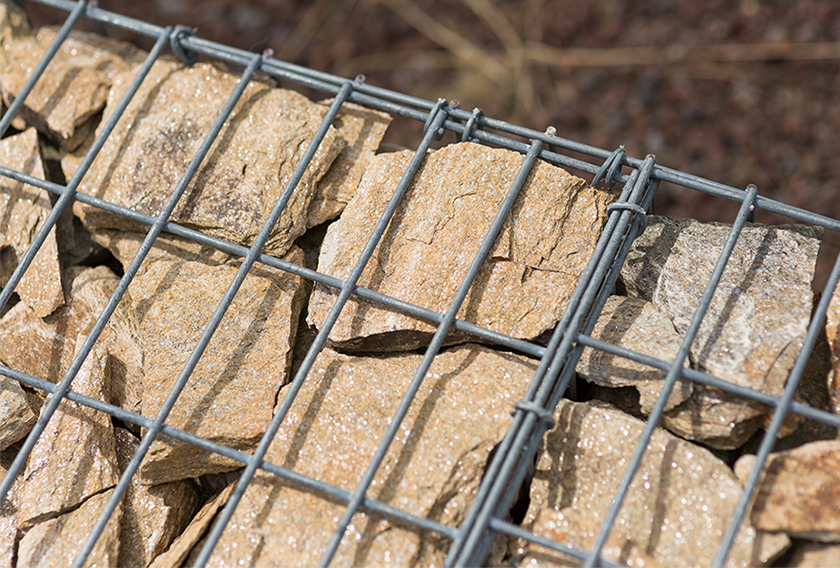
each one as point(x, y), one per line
point(692, 475)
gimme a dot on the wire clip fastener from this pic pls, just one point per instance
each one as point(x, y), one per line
point(638, 209)
point(543, 415)
point(472, 124)
point(609, 168)
point(181, 32)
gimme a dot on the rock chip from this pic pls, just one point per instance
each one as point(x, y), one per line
point(23, 210)
point(432, 468)
point(798, 491)
point(635, 325)
point(242, 176)
point(678, 506)
point(755, 324)
point(74, 87)
point(362, 129)
point(16, 415)
point(152, 516)
point(424, 254)
point(230, 396)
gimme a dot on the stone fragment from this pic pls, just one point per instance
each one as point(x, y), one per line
point(432, 468)
point(74, 87)
point(635, 325)
point(9, 535)
point(243, 175)
point(832, 331)
point(16, 415)
point(362, 129)
point(152, 516)
point(813, 555)
point(57, 541)
point(423, 256)
point(798, 492)
point(678, 506)
point(23, 210)
point(186, 544)
point(230, 395)
point(60, 475)
point(754, 327)
point(46, 347)
point(13, 21)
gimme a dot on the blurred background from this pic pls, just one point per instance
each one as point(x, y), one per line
point(735, 91)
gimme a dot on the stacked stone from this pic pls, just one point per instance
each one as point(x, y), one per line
point(690, 479)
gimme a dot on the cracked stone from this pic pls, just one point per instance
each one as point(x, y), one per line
point(16, 415)
point(74, 87)
point(25, 338)
point(60, 476)
point(23, 210)
point(756, 322)
point(678, 506)
point(244, 173)
point(798, 491)
point(230, 395)
point(152, 516)
point(362, 130)
point(331, 432)
point(524, 285)
point(635, 325)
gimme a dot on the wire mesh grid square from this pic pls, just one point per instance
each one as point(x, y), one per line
point(554, 377)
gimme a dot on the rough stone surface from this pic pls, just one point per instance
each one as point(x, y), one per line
point(679, 503)
point(242, 176)
point(755, 324)
point(25, 338)
point(152, 516)
point(57, 541)
point(61, 475)
point(799, 491)
point(23, 210)
point(813, 555)
point(230, 396)
point(16, 415)
point(8, 520)
point(73, 88)
point(435, 233)
point(432, 468)
point(635, 325)
point(832, 330)
point(362, 129)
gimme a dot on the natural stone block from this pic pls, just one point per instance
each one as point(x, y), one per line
point(432, 468)
point(16, 415)
point(678, 506)
point(754, 327)
point(242, 176)
point(524, 285)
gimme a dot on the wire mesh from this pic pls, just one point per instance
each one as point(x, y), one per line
point(553, 379)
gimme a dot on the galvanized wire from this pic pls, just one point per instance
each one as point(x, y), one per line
point(555, 373)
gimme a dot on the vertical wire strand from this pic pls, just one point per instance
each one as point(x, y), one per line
point(62, 388)
point(432, 350)
point(439, 115)
point(672, 376)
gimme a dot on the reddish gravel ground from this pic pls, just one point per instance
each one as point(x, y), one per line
point(736, 91)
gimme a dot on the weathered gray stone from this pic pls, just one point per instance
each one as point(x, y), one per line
point(798, 492)
point(16, 416)
point(678, 506)
point(75, 456)
point(813, 555)
point(635, 325)
point(46, 347)
point(57, 541)
point(362, 129)
point(73, 88)
point(432, 468)
point(423, 256)
point(230, 395)
point(244, 173)
point(152, 516)
point(755, 324)
point(23, 210)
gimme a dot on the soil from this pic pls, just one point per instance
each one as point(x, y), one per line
point(735, 91)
